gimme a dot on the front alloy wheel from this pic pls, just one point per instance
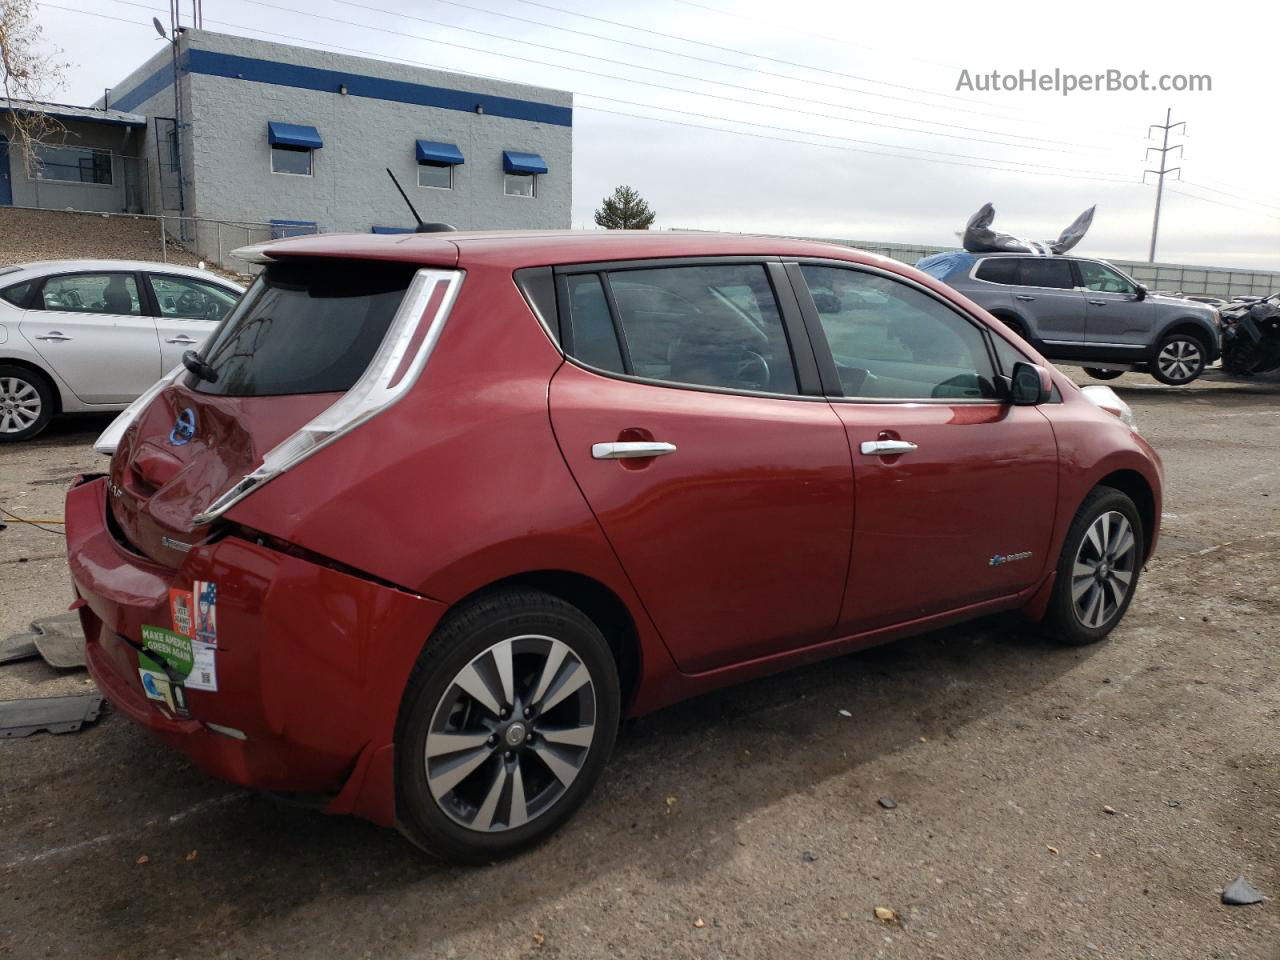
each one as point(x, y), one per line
point(1103, 571)
point(1180, 359)
point(507, 722)
point(1097, 570)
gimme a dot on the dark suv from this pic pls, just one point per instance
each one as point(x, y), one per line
point(1083, 311)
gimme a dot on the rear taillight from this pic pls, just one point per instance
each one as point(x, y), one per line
point(395, 368)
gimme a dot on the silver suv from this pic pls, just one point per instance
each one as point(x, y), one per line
point(1086, 312)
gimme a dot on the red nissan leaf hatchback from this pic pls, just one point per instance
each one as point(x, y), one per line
point(430, 514)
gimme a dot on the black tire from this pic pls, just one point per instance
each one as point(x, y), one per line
point(435, 705)
point(1179, 359)
point(23, 391)
point(1015, 325)
point(1064, 621)
point(1099, 374)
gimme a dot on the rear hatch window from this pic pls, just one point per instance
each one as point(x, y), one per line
point(303, 336)
point(307, 327)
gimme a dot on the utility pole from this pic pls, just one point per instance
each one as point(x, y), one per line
point(1163, 150)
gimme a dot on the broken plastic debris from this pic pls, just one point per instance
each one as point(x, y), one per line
point(885, 914)
point(845, 713)
point(887, 802)
point(1241, 893)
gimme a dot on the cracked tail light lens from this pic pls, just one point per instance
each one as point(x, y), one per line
point(394, 369)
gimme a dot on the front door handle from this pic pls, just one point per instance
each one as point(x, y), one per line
point(1024, 297)
point(54, 335)
point(886, 448)
point(631, 450)
point(182, 338)
point(1098, 303)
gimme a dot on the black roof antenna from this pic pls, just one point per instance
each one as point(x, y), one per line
point(423, 226)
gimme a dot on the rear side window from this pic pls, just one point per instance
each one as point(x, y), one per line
point(1045, 272)
point(998, 270)
point(19, 294)
point(308, 327)
point(594, 340)
point(714, 326)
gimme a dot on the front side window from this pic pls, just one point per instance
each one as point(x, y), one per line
point(892, 341)
point(520, 184)
point(310, 327)
point(1102, 279)
point(114, 293)
point(1045, 272)
point(184, 298)
point(73, 164)
point(291, 160)
point(713, 326)
point(998, 270)
point(438, 175)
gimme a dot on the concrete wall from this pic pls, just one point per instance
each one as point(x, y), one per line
point(349, 189)
point(122, 142)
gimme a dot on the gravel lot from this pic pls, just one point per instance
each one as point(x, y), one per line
point(1050, 803)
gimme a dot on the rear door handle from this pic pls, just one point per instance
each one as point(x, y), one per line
point(631, 450)
point(54, 335)
point(886, 448)
point(1098, 303)
point(182, 338)
point(1023, 297)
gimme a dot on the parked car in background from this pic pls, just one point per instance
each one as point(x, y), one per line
point(1086, 312)
point(86, 336)
point(516, 487)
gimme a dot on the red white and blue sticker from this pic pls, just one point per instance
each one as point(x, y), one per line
point(206, 597)
point(182, 612)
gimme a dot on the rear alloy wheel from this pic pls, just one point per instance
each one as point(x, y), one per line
point(1099, 374)
point(1180, 358)
point(512, 713)
point(26, 403)
point(1098, 569)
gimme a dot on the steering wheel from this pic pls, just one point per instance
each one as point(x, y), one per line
point(190, 303)
point(752, 371)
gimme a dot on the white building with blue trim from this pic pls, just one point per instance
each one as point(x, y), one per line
point(302, 138)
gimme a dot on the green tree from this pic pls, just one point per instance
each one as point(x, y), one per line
point(625, 209)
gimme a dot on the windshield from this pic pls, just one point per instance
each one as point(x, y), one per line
point(309, 327)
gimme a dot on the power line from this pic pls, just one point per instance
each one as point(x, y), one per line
point(1006, 164)
point(1219, 203)
point(832, 136)
point(832, 146)
point(1238, 196)
point(734, 66)
point(1050, 143)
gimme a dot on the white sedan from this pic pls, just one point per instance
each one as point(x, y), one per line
point(86, 336)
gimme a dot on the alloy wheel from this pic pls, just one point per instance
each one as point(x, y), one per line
point(20, 404)
point(1103, 572)
point(511, 733)
point(1181, 359)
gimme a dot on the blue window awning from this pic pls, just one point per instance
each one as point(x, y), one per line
point(513, 161)
point(293, 135)
point(441, 154)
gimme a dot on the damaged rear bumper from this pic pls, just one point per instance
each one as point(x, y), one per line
point(310, 663)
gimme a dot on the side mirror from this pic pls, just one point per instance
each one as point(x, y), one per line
point(1029, 385)
point(1141, 294)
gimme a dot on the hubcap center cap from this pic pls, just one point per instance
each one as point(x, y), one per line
point(516, 734)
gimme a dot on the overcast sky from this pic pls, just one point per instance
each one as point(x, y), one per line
point(851, 82)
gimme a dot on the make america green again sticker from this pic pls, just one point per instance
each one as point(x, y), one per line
point(173, 648)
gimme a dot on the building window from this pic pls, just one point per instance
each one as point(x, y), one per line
point(73, 164)
point(437, 175)
point(520, 184)
point(292, 160)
